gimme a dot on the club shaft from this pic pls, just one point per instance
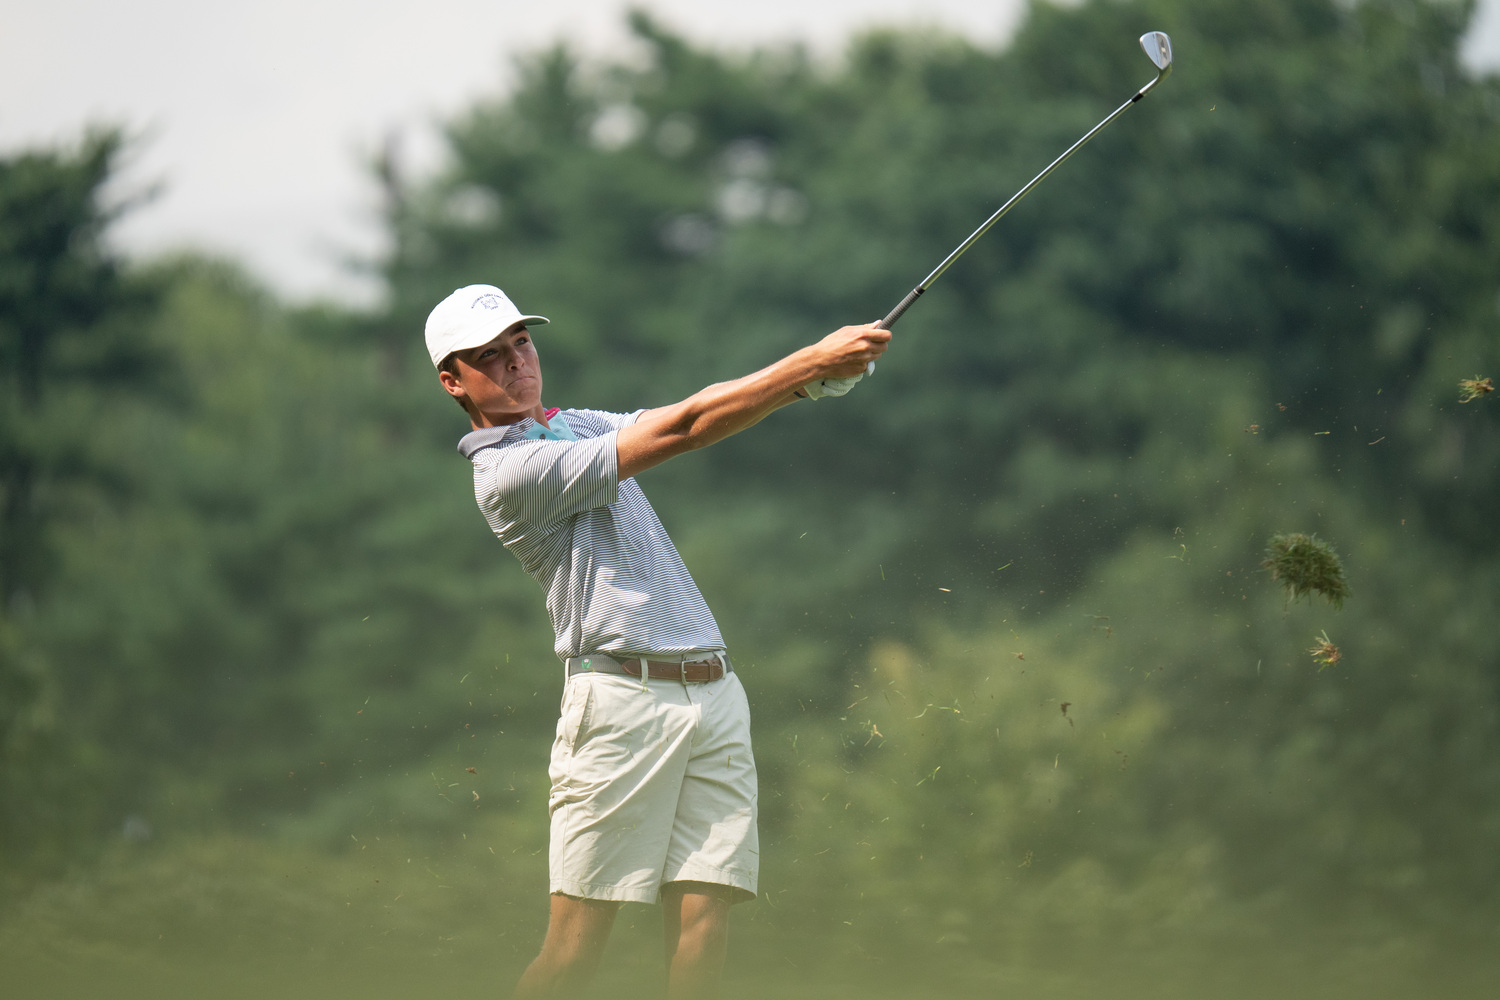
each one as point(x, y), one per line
point(916, 293)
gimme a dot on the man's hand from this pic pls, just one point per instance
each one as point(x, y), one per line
point(846, 356)
point(830, 386)
point(847, 352)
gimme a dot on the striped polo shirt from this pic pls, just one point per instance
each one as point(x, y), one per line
point(614, 581)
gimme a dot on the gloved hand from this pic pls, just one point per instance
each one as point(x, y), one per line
point(830, 386)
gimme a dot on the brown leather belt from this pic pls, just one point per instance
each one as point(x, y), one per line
point(710, 668)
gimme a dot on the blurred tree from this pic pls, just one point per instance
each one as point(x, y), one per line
point(304, 614)
point(1313, 195)
point(69, 344)
point(65, 312)
point(1290, 249)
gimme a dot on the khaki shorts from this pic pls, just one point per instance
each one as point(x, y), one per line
point(652, 784)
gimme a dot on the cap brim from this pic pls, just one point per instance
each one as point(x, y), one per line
point(482, 337)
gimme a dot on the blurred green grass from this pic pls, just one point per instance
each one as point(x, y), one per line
point(247, 917)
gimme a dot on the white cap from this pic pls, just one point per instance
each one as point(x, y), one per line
point(473, 315)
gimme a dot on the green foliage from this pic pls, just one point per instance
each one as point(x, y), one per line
point(66, 334)
point(1254, 289)
point(687, 221)
point(298, 600)
point(71, 350)
point(1014, 666)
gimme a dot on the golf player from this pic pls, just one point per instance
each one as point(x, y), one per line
point(653, 791)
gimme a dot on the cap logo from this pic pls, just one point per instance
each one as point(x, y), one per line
point(489, 300)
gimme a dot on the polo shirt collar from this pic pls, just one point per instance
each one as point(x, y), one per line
point(488, 437)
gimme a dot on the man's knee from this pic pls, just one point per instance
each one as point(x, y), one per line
point(579, 926)
point(697, 914)
point(577, 931)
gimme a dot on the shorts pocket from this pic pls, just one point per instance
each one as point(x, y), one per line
point(578, 702)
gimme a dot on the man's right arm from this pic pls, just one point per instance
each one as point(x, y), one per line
point(726, 408)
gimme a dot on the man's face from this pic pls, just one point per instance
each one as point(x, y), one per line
point(501, 380)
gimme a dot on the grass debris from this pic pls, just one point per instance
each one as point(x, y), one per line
point(1470, 389)
point(1324, 653)
point(1305, 564)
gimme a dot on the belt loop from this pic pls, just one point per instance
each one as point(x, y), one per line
point(645, 670)
point(682, 668)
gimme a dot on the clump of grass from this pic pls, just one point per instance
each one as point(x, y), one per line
point(1470, 389)
point(1305, 565)
point(1324, 653)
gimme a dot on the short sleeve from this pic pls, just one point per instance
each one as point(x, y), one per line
point(617, 421)
point(541, 482)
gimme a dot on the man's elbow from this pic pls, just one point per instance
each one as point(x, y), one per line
point(689, 428)
point(690, 439)
point(641, 452)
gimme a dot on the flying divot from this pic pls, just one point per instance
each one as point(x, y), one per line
point(1305, 564)
point(1324, 653)
point(1470, 389)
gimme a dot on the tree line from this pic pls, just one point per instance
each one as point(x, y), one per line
point(1016, 570)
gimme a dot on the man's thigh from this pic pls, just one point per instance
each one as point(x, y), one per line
point(617, 771)
point(714, 833)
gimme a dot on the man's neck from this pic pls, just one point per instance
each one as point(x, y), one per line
point(482, 420)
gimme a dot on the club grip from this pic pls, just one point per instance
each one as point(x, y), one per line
point(901, 307)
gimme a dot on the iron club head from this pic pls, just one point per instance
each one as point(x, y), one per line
point(1158, 48)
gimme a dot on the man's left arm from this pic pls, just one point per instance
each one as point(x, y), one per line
point(726, 408)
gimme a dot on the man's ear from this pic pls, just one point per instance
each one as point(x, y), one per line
point(451, 385)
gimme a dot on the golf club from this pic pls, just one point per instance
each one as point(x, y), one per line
point(1158, 48)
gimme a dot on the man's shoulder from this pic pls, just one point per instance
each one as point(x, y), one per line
point(487, 443)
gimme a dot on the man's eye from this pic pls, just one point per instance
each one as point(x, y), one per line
point(486, 354)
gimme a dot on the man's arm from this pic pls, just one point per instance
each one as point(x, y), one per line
point(726, 408)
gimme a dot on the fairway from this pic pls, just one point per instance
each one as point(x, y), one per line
point(246, 920)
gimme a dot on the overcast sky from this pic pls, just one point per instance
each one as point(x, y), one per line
point(257, 117)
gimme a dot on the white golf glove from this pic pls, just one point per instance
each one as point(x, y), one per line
point(830, 386)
